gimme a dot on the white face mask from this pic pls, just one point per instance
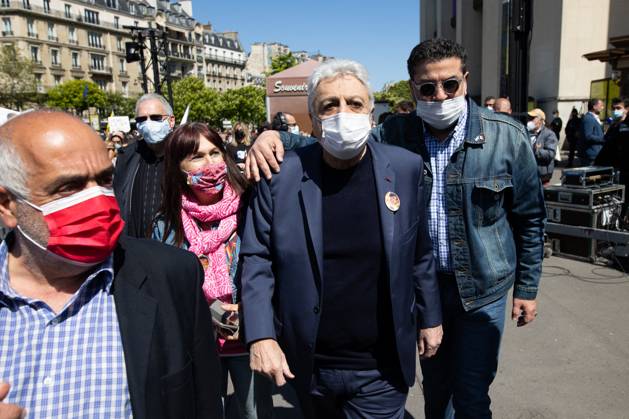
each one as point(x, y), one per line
point(344, 134)
point(531, 127)
point(294, 129)
point(154, 132)
point(441, 115)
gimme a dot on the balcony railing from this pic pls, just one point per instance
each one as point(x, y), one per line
point(33, 35)
point(73, 41)
point(76, 68)
point(123, 73)
point(100, 69)
point(55, 65)
point(37, 62)
point(223, 59)
point(53, 38)
point(7, 33)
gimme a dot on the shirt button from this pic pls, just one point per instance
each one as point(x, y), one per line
point(315, 310)
point(54, 322)
point(48, 381)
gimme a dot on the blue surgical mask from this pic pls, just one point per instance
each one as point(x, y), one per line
point(618, 113)
point(154, 132)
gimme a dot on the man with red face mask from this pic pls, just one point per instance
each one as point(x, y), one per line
point(92, 324)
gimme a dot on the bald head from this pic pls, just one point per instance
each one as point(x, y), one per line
point(54, 148)
point(502, 105)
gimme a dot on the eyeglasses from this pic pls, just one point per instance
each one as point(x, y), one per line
point(428, 88)
point(155, 117)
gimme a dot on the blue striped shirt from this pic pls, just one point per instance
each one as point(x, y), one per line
point(68, 364)
point(440, 153)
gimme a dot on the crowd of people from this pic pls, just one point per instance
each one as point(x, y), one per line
point(137, 277)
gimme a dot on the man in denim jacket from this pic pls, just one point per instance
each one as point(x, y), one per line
point(486, 221)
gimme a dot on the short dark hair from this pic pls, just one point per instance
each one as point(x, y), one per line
point(489, 98)
point(592, 103)
point(433, 50)
point(405, 106)
point(617, 100)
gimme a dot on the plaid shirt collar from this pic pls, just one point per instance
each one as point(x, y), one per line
point(103, 272)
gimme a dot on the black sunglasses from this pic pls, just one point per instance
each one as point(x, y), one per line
point(156, 117)
point(429, 88)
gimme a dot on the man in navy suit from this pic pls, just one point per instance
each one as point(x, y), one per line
point(592, 132)
point(338, 275)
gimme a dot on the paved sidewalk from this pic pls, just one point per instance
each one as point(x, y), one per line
point(572, 362)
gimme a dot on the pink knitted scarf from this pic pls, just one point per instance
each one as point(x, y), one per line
point(211, 242)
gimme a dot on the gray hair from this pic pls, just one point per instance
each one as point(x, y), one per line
point(168, 110)
point(12, 172)
point(332, 69)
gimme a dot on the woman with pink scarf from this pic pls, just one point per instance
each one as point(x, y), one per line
point(201, 212)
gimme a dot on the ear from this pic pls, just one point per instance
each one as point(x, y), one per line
point(7, 209)
point(316, 125)
point(410, 86)
point(171, 121)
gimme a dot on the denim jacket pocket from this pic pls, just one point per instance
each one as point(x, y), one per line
point(488, 199)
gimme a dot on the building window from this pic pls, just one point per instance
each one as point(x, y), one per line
point(57, 80)
point(125, 88)
point(123, 67)
point(52, 33)
point(5, 3)
point(97, 62)
point(6, 26)
point(68, 9)
point(116, 22)
point(72, 35)
point(112, 4)
point(46, 6)
point(75, 60)
point(35, 54)
point(26, 4)
point(94, 40)
point(132, 8)
point(92, 17)
point(119, 44)
point(31, 28)
point(102, 84)
point(54, 57)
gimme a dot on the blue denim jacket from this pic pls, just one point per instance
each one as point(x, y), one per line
point(496, 212)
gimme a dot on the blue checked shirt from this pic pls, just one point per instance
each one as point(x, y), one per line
point(65, 365)
point(440, 153)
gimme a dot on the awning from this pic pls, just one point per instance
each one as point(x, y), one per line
point(617, 55)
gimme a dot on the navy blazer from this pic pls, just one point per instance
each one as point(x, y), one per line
point(282, 256)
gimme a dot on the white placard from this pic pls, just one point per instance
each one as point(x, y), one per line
point(119, 123)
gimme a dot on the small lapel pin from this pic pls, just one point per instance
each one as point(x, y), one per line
point(392, 201)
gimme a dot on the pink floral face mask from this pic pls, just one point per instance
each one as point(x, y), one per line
point(210, 179)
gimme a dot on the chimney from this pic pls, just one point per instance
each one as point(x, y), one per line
point(186, 6)
point(230, 35)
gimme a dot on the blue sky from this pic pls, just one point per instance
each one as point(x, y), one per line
point(379, 34)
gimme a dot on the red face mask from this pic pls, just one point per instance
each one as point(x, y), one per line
point(209, 179)
point(84, 227)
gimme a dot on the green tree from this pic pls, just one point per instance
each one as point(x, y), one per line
point(205, 104)
point(282, 62)
point(245, 104)
point(119, 105)
point(17, 81)
point(394, 93)
point(78, 95)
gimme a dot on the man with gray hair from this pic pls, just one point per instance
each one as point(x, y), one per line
point(339, 289)
point(139, 169)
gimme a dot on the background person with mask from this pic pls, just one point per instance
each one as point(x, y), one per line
point(335, 252)
point(543, 143)
point(486, 217)
point(139, 170)
point(619, 118)
point(284, 121)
